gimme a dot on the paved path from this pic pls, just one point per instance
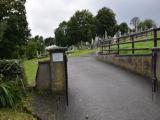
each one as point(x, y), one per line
point(99, 91)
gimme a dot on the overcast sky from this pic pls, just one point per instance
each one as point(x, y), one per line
point(45, 15)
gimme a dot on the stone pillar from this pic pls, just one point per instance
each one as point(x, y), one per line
point(57, 68)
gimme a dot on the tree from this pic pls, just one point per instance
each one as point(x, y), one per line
point(40, 43)
point(123, 28)
point(149, 23)
point(135, 22)
point(105, 21)
point(61, 36)
point(31, 48)
point(49, 41)
point(14, 30)
point(35, 45)
point(141, 26)
point(146, 24)
point(81, 26)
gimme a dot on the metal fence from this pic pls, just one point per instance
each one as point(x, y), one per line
point(133, 44)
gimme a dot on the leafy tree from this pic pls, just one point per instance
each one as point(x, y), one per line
point(31, 49)
point(61, 36)
point(146, 24)
point(13, 28)
point(123, 28)
point(149, 23)
point(105, 21)
point(116, 28)
point(49, 41)
point(81, 27)
point(34, 45)
point(141, 26)
point(135, 22)
point(40, 43)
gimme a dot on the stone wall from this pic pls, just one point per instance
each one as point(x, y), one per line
point(43, 77)
point(58, 80)
point(51, 77)
point(138, 64)
point(158, 65)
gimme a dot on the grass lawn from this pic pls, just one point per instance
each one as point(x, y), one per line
point(82, 52)
point(9, 114)
point(31, 66)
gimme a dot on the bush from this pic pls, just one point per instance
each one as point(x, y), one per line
point(11, 83)
point(31, 49)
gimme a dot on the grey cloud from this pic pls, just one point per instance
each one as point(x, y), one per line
point(45, 15)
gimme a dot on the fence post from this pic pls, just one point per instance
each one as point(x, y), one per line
point(109, 46)
point(155, 37)
point(102, 48)
point(154, 64)
point(118, 45)
point(132, 39)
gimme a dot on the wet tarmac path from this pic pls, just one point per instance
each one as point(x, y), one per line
point(100, 91)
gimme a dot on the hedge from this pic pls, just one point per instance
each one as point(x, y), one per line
point(12, 82)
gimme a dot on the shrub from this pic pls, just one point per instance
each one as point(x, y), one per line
point(31, 49)
point(11, 82)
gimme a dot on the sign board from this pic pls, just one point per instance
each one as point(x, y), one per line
point(57, 57)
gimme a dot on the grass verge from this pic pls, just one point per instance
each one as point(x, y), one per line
point(82, 52)
point(10, 114)
point(30, 67)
